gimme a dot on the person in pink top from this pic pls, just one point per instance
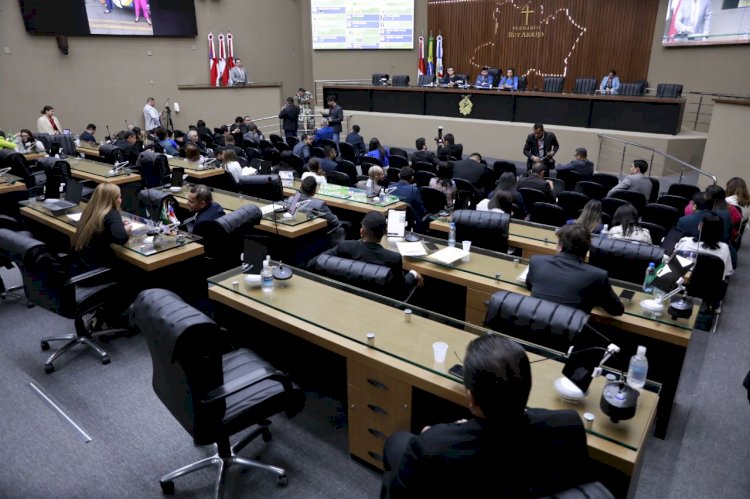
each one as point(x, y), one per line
point(141, 7)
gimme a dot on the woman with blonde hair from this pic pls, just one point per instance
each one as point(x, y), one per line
point(100, 226)
point(590, 217)
point(738, 195)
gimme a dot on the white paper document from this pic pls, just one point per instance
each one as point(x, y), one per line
point(411, 249)
point(449, 255)
point(270, 208)
point(522, 276)
point(76, 217)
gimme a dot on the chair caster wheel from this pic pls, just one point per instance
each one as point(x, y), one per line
point(167, 488)
point(282, 481)
point(45, 346)
point(106, 360)
point(49, 368)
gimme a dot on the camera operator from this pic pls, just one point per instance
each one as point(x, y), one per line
point(447, 145)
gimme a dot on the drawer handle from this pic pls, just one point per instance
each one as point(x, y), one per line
point(375, 456)
point(376, 433)
point(377, 384)
point(377, 409)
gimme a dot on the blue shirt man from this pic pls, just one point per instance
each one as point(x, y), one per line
point(484, 79)
point(324, 132)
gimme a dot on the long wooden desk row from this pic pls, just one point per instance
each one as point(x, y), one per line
point(615, 112)
point(382, 373)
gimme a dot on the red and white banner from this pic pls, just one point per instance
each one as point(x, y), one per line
point(420, 63)
point(213, 68)
point(230, 54)
point(222, 73)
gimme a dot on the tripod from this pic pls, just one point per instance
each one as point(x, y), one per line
point(168, 111)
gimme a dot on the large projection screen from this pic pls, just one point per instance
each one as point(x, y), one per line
point(707, 22)
point(362, 24)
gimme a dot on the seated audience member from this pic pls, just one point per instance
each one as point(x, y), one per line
point(253, 135)
point(448, 147)
point(201, 128)
point(484, 79)
point(88, 135)
point(170, 146)
point(704, 202)
point(179, 138)
point(193, 155)
point(377, 151)
point(536, 180)
point(711, 228)
point(308, 188)
point(509, 81)
point(625, 226)
point(505, 450)
point(636, 181)
point(245, 124)
point(192, 138)
point(5, 143)
point(302, 148)
point(481, 177)
point(229, 144)
point(369, 249)
point(501, 202)
point(444, 183)
point(566, 279)
point(590, 217)
point(315, 171)
point(26, 143)
point(129, 146)
point(422, 154)
point(48, 122)
point(449, 78)
point(610, 83)
point(356, 141)
point(101, 225)
point(324, 132)
point(200, 202)
point(580, 164)
point(738, 195)
point(230, 164)
point(718, 199)
point(375, 182)
point(328, 162)
point(507, 183)
point(406, 191)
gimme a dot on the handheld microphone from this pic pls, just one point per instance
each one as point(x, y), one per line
point(109, 134)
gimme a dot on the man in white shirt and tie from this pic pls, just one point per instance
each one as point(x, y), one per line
point(151, 115)
point(237, 75)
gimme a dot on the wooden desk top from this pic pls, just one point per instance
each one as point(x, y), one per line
point(272, 84)
point(231, 202)
point(132, 257)
point(346, 204)
point(14, 187)
point(408, 354)
point(33, 156)
point(191, 169)
point(536, 240)
point(89, 150)
point(98, 172)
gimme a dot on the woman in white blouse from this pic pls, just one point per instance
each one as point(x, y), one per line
point(315, 170)
point(501, 202)
point(25, 142)
point(625, 226)
point(231, 165)
point(711, 230)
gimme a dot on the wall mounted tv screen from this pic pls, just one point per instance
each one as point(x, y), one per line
point(362, 24)
point(110, 17)
point(707, 22)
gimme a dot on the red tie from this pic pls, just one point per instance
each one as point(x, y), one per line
point(52, 122)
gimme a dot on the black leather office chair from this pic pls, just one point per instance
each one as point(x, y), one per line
point(631, 89)
point(655, 189)
point(707, 281)
point(610, 205)
point(433, 200)
point(523, 82)
point(424, 166)
point(338, 178)
point(152, 201)
point(424, 80)
point(281, 147)
point(266, 187)
point(271, 154)
point(291, 141)
point(485, 229)
point(223, 238)
point(606, 180)
point(637, 199)
point(60, 168)
point(210, 389)
point(153, 168)
point(422, 178)
point(502, 166)
point(111, 154)
point(660, 214)
point(467, 196)
point(347, 152)
point(686, 191)
point(295, 162)
point(623, 259)
point(377, 77)
point(395, 161)
point(669, 90)
point(677, 202)
point(593, 190)
point(570, 178)
point(330, 143)
point(45, 139)
point(558, 186)
point(275, 138)
point(15, 246)
point(584, 86)
point(462, 77)
point(372, 277)
point(264, 144)
point(33, 177)
point(367, 161)
point(554, 84)
point(535, 320)
point(531, 196)
point(392, 173)
point(251, 153)
point(547, 214)
point(400, 80)
point(347, 167)
point(656, 231)
point(572, 203)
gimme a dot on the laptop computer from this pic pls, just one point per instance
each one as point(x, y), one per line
point(396, 227)
point(290, 207)
point(263, 166)
point(254, 252)
point(671, 239)
point(73, 195)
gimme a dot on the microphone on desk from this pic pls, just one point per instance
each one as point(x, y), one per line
point(108, 138)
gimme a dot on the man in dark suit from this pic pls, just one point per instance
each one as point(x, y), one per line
point(580, 164)
point(536, 180)
point(406, 191)
point(201, 203)
point(335, 117)
point(369, 249)
point(540, 147)
point(475, 172)
point(307, 188)
point(505, 450)
point(290, 118)
point(356, 141)
point(422, 154)
point(564, 278)
point(449, 147)
point(229, 144)
point(128, 146)
point(328, 163)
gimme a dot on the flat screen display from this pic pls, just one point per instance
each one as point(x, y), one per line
point(362, 24)
point(110, 17)
point(707, 22)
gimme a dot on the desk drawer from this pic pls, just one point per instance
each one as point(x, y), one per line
point(376, 382)
point(476, 309)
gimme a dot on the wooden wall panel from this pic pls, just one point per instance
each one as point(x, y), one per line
point(574, 38)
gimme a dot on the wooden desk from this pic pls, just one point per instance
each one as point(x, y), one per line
point(191, 169)
point(347, 204)
point(89, 150)
point(33, 156)
point(231, 201)
point(132, 257)
point(17, 186)
point(98, 172)
point(532, 240)
point(401, 359)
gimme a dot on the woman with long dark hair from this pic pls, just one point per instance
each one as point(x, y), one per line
point(711, 232)
point(625, 225)
point(444, 182)
point(377, 151)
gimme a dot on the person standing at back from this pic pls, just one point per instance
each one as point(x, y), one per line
point(540, 148)
point(290, 118)
point(48, 122)
point(151, 115)
point(335, 117)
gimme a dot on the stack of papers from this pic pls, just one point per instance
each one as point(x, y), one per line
point(270, 208)
point(411, 249)
point(449, 255)
point(522, 276)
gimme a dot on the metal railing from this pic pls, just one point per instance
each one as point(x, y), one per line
point(699, 107)
point(616, 155)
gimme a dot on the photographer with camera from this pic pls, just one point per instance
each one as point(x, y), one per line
point(447, 146)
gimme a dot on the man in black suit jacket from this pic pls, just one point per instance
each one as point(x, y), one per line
point(540, 147)
point(335, 117)
point(369, 249)
point(201, 203)
point(129, 147)
point(503, 451)
point(356, 141)
point(536, 180)
point(422, 154)
point(565, 278)
point(475, 172)
point(290, 116)
point(449, 147)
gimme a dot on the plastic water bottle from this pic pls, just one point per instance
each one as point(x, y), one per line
point(638, 368)
point(648, 279)
point(452, 235)
point(266, 277)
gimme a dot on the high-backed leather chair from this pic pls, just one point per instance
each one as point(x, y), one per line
point(34, 178)
point(610, 205)
point(266, 187)
point(572, 203)
point(570, 178)
point(424, 80)
point(632, 89)
point(585, 86)
point(623, 259)
point(548, 214)
point(535, 320)
point(151, 202)
point(554, 83)
point(593, 190)
point(111, 154)
point(15, 247)
point(376, 77)
point(210, 389)
point(372, 277)
point(686, 191)
point(485, 229)
point(661, 214)
point(462, 77)
point(670, 90)
point(523, 82)
point(153, 168)
point(637, 199)
point(400, 80)
point(347, 152)
point(606, 180)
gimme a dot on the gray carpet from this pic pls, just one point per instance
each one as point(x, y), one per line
point(135, 440)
